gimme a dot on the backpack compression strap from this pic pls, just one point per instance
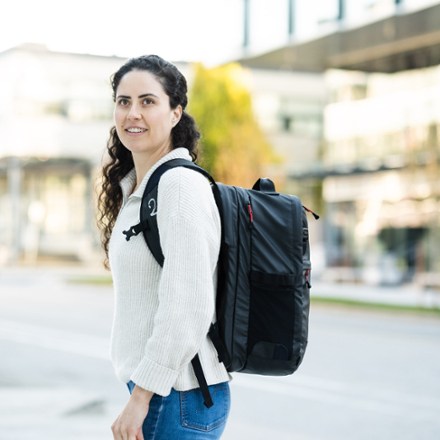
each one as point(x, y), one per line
point(148, 226)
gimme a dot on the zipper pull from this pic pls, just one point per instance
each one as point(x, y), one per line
point(251, 213)
point(316, 216)
point(307, 278)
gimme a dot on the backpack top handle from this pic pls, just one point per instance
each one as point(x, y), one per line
point(264, 185)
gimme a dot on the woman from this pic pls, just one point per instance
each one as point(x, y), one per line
point(162, 315)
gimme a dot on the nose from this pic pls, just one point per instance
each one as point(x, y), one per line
point(134, 112)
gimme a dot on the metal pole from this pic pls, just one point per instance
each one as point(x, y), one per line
point(291, 17)
point(341, 10)
point(14, 176)
point(246, 21)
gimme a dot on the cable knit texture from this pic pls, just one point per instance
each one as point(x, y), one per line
point(162, 315)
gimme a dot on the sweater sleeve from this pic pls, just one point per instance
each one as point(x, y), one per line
point(189, 229)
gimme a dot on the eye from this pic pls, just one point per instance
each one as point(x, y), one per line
point(122, 102)
point(147, 101)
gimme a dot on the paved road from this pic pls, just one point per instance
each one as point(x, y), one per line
point(365, 376)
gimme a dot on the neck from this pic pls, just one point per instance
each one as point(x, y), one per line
point(143, 162)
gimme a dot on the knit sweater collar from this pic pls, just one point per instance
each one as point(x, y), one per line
point(129, 180)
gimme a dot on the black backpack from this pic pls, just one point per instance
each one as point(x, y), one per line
point(263, 293)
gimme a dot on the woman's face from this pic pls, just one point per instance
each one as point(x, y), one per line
point(143, 116)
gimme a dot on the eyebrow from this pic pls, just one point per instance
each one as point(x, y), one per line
point(145, 95)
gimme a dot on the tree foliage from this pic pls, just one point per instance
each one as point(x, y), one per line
point(233, 147)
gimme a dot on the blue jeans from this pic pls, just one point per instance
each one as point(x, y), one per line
point(182, 415)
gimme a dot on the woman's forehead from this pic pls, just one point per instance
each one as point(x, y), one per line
point(140, 82)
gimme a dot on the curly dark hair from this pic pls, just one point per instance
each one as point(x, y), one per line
point(184, 134)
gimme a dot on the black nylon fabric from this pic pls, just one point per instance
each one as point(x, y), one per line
point(264, 305)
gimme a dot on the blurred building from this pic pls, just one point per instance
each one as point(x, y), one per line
point(55, 110)
point(380, 159)
point(55, 115)
point(290, 109)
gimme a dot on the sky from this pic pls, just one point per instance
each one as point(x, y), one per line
point(210, 31)
point(189, 30)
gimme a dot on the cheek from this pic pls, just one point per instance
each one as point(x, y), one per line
point(168, 119)
point(117, 121)
point(162, 120)
point(117, 116)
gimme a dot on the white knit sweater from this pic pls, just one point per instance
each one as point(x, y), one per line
point(162, 315)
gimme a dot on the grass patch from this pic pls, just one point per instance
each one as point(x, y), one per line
point(367, 305)
point(106, 280)
point(93, 280)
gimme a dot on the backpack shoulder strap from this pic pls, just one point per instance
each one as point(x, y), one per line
point(148, 218)
point(148, 212)
point(151, 235)
point(148, 226)
point(153, 181)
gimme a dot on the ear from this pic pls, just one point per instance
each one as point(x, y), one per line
point(176, 114)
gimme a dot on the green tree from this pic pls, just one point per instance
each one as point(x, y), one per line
point(233, 146)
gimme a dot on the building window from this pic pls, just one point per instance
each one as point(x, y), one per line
point(286, 122)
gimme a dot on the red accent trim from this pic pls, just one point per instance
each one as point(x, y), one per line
point(251, 213)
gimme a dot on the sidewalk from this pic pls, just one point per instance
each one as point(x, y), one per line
point(50, 414)
point(68, 413)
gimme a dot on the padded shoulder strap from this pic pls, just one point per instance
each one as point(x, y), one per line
point(151, 235)
point(149, 204)
point(173, 163)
